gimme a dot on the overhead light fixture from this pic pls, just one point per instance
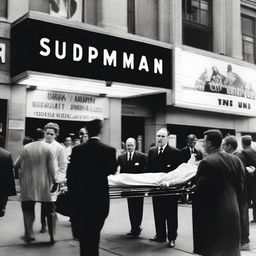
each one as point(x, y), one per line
point(45, 81)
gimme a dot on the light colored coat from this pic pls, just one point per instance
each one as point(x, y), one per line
point(62, 160)
point(38, 171)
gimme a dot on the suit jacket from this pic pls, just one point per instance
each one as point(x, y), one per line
point(186, 154)
point(248, 157)
point(217, 205)
point(137, 165)
point(90, 164)
point(38, 171)
point(7, 184)
point(171, 159)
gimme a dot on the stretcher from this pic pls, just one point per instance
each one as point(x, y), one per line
point(116, 192)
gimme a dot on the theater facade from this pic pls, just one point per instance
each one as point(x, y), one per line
point(56, 70)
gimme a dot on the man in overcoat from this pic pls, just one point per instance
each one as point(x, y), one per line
point(164, 158)
point(38, 173)
point(7, 184)
point(133, 161)
point(218, 200)
point(90, 164)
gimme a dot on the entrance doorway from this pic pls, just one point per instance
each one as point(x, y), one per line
point(134, 127)
point(3, 117)
point(67, 128)
point(182, 131)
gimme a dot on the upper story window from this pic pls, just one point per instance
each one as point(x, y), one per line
point(198, 11)
point(3, 8)
point(197, 23)
point(248, 38)
point(67, 9)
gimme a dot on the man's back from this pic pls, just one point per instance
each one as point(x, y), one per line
point(90, 164)
point(38, 171)
point(217, 203)
point(7, 185)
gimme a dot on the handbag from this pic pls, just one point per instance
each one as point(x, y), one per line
point(63, 202)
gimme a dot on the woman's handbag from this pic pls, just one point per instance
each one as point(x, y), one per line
point(63, 201)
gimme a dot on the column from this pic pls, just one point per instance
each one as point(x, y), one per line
point(233, 29)
point(17, 118)
point(112, 125)
point(176, 22)
point(219, 26)
point(112, 14)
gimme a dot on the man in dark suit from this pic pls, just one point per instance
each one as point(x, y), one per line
point(7, 184)
point(230, 145)
point(190, 149)
point(90, 164)
point(218, 200)
point(164, 158)
point(133, 161)
point(248, 157)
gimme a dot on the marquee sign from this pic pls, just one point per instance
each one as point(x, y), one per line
point(45, 47)
point(207, 83)
point(65, 106)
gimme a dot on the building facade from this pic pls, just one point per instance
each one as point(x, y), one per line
point(137, 64)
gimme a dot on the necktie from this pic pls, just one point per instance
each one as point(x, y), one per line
point(130, 157)
point(160, 151)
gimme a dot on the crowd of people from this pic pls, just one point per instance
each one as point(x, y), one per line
point(224, 186)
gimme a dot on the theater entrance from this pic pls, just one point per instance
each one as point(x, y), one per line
point(3, 117)
point(67, 128)
point(134, 127)
point(182, 131)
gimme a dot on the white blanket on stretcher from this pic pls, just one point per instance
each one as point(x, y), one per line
point(182, 174)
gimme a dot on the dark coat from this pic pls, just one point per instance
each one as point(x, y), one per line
point(137, 165)
point(217, 203)
point(171, 159)
point(90, 164)
point(7, 183)
point(186, 154)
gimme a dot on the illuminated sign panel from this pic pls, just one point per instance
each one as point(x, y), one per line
point(65, 106)
point(207, 83)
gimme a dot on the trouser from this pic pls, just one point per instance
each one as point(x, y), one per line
point(28, 208)
point(135, 208)
point(166, 215)
point(90, 238)
point(48, 213)
point(3, 202)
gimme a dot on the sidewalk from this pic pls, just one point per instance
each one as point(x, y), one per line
point(113, 239)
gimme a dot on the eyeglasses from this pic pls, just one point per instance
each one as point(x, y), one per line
point(48, 133)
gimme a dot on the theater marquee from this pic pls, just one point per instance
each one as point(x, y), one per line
point(206, 83)
point(50, 48)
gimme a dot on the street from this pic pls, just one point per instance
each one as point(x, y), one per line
point(113, 238)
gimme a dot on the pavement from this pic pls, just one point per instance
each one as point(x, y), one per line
point(113, 237)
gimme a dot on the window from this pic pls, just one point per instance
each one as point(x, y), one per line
point(248, 38)
point(131, 16)
point(3, 8)
point(68, 9)
point(197, 23)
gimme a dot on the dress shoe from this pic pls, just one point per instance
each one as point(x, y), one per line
point(171, 244)
point(134, 234)
point(245, 247)
point(28, 239)
point(156, 239)
point(253, 221)
point(43, 229)
point(52, 241)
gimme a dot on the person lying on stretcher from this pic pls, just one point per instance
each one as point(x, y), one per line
point(182, 174)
